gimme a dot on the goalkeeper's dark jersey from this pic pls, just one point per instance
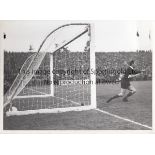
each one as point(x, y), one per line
point(125, 81)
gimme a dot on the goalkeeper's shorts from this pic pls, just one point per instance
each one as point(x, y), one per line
point(125, 83)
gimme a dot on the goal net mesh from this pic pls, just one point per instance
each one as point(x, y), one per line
point(55, 77)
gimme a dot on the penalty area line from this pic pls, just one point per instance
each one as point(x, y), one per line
point(124, 119)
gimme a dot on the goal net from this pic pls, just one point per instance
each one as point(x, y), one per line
point(56, 78)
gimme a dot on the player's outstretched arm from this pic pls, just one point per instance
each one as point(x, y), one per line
point(136, 73)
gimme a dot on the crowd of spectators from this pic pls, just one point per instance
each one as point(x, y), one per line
point(13, 61)
point(115, 61)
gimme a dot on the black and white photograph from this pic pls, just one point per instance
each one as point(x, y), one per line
point(77, 75)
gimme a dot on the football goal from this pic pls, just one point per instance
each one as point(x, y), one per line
point(56, 78)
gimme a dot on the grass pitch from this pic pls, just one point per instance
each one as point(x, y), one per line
point(138, 109)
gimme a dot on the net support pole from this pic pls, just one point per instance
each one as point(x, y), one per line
point(51, 75)
point(92, 67)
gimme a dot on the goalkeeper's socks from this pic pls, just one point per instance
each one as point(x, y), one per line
point(116, 96)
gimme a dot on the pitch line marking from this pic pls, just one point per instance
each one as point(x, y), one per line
point(124, 119)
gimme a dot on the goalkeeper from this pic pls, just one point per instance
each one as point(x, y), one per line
point(125, 82)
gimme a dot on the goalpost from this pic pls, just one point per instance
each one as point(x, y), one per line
point(58, 77)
